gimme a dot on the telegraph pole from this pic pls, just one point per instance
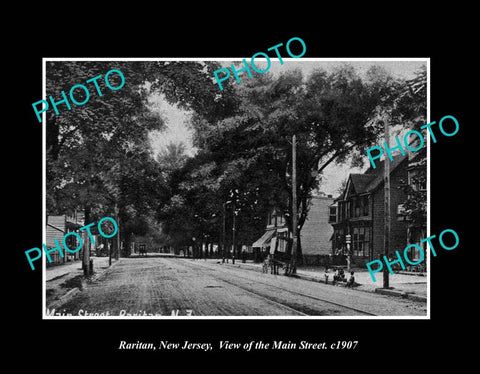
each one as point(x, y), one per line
point(110, 247)
point(117, 213)
point(223, 232)
point(294, 204)
point(386, 180)
point(233, 234)
point(86, 255)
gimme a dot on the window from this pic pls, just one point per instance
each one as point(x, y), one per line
point(365, 205)
point(271, 219)
point(414, 254)
point(417, 179)
point(280, 220)
point(71, 242)
point(341, 211)
point(356, 203)
point(361, 241)
point(332, 217)
point(282, 238)
point(338, 242)
point(402, 214)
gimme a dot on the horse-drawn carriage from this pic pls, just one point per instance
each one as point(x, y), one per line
point(275, 262)
point(142, 249)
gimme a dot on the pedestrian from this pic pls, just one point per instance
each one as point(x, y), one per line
point(275, 262)
point(265, 266)
point(351, 280)
point(326, 275)
point(335, 276)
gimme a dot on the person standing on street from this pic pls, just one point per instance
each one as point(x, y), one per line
point(327, 273)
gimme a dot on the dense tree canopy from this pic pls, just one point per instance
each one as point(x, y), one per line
point(250, 149)
point(99, 157)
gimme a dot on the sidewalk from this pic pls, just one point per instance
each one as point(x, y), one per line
point(407, 285)
point(74, 267)
point(65, 280)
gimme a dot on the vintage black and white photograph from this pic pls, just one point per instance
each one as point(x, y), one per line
point(235, 188)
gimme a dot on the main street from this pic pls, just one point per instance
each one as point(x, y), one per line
point(162, 285)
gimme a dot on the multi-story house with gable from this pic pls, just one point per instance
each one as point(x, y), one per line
point(358, 214)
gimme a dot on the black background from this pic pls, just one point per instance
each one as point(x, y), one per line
point(405, 343)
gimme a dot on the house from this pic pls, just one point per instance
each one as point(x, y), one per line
point(274, 238)
point(359, 212)
point(57, 227)
point(314, 236)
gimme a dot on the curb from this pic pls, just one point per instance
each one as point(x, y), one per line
point(64, 298)
point(418, 274)
point(74, 291)
point(389, 292)
point(415, 297)
point(402, 294)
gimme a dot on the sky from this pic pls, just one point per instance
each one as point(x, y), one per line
point(177, 120)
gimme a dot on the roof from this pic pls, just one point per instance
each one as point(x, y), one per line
point(265, 238)
point(379, 170)
point(361, 181)
point(418, 159)
point(57, 222)
point(372, 178)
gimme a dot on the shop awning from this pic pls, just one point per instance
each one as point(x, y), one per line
point(264, 240)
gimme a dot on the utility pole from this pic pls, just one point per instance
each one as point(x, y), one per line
point(117, 213)
point(86, 255)
point(233, 234)
point(110, 247)
point(386, 181)
point(224, 212)
point(294, 204)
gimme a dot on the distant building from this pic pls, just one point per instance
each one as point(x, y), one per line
point(316, 231)
point(360, 212)
point(57, 227)
point(314, 236)
point(274, 238)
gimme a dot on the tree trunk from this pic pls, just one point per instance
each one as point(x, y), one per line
point(52, 137)
point(86, 244)
point(128, 244)
point(299, 249)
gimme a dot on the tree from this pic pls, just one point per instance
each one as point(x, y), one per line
point(94, 151)
point(98, 156)
point(331, 114)
point(412, 104)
